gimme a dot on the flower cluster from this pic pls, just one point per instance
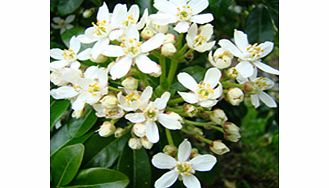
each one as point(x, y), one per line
point(124, 66)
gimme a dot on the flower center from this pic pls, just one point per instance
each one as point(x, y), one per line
point(130, 20)
point(94, 88)
point(204, 90)
point(69, 54)
point(100, 27)
point(261, 83)
point(184, 13)
point(255, 50)
point(131, 97)
point(199, 40)
point(131, 47)
point(184, 168)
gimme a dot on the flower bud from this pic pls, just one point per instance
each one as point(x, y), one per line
point(218, 116)
point(139, 129)
point(170, 150)
point(147, 33)
point(170, 38)
point(109, 101)
point(190, 110)
point(77, 113)
point(235, 96)
point(221, 59)
point(231, 132)
point(119, 132)
point(135, 143)
point(106, 129)
point(87, 13)
point(146, 143)
point(130, 83)
point(219, 147)
point(168, 49)
point(100, 59)
point(232, 73)
point(156, 74)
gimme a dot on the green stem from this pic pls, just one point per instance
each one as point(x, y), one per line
point(179, 40)
point(231, 84)
point(188, 52)
point(204, 124)
point(175, 101)
point(114, 89)
point(162, 60)
point(199, 137)
point(172, 72)
point(169, 138)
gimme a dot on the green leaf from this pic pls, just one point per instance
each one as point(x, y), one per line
point(69, 133)
point(273, 9)
point(57, 109)
point(68, 34)
point(146, 4)
point(109, 153)
point(65, 164)
point(66, 7)
point(78, 127)
point(259, 26)
point(100, 178)
point(136, 164)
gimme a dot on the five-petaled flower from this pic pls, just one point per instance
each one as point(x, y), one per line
point(249, 54)
point(197, 38)
point(183, 167)
point(206, 92)
point(63, 24)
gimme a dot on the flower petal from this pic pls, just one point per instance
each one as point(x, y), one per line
point(198, 6)
point(267, 100)
point(75, 44)
point(241, 40)
point(182, 27)
point(85, 54)
point(229, 46)
point(58, 64)
point(161, 102)
point(120, 68)
point(267, 47)
point(64, 92)
point(116, 34)
point(189, 97)
point(146, 95)
point(69, 19)
point(119, 15)
point(134, 11)
point(99, 47)
point(56, 53)
point(217, 93)
point(113, 51)
point(103, 13)
point(208, 103)
point(203, 162)
point(184, 151)
point(254, 100)
point(191, 182)
point(187, 81)
point(205, 47)
point(79, 103)
point(162, 18)
point(202, 18)
point(135, 117)
point(212, 77)
point(163, 161)
point(146, 65)
point(266, 68)
point(152, 132)
point(153, 43)
point(167, 179)
point(170, 122)
point(165, 6)
point(245, 69)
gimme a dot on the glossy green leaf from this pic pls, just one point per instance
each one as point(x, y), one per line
point(273, 9)
point(68, 34)
point(57, 109)
point(65, 164)
point(66, 7)
point(100, 178)
point(109, 153)
point(259, 26)
point(75, 129)
point(136, 164)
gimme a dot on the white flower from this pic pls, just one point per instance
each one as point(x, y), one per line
point(182, 13)
point(133, 51)
point(87, 89)
point(106, 129)
point(64, 76)
point(146, 143)
point(109, 107)
point(182, 166)
point(152, 112)
point(67, 57)
point(135, 143)
point(197, 38)
point(206, 92)
point(139, 130)
point(221, 58)
point(151, 28)
point(235, 96)
point(133, 100)
point(168, 49)
point(259, 84)
point(249, 55)
point(219, 147)
point(130, 83)
point(62, 24)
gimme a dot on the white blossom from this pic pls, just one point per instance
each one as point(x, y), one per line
point(63, 24)
point(221, 58)
point(182, 167)
point(206, 93)
point(197, 38)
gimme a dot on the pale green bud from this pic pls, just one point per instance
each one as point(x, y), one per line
point(235, 96)
point(135, 143)
point(130, 83)
point(106, 129)
point(219, 147)
point(218, 116)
